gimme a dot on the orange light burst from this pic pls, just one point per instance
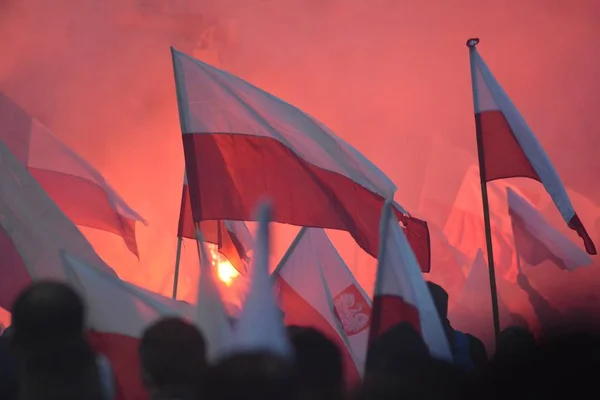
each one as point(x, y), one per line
point(225, 271)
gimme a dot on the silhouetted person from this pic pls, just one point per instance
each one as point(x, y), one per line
point(461, 344)
point(397, 350)
point(399, 367)
point(55, 361)
point(173, 360)
point(318, 364)
point(251, 376)
point(561, 368)
point(8, 368)
point(514, 342)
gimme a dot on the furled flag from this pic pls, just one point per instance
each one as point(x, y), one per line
point(211, 317)
point(233, 238)
point(118, 313)
point(537, 241)
point(33, 231)
point(260, 326)
point(401, 294)
point(510, 147)
point(79, 189)
point(242, 143)
point(315, 288)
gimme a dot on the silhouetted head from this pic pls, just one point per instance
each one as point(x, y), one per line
point(250, 376)
point(45, 314)
point(172, 356)
point(440, 299)
point(318, 361)
point(54, 357)
point(478, 353)
point(514, 341)
point(396, 350)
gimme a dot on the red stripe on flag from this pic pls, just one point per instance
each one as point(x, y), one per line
point(123, 353)
point(15, 276)
point(298, 311)
point(390, 310)
point(86, 204)
point(504, 157)
point(247, 168)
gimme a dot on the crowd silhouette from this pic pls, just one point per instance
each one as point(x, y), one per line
point(46, 354)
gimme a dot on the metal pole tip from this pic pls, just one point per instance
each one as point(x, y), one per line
point(472, 42)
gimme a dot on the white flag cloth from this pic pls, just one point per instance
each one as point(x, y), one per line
point(315, 288)
point(401, 294)
point(260, 326)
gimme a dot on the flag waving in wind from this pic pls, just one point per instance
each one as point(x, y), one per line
point(76, 187)
point(33, 231)
point(510, 148)
point(232, 238)
point(537, 241)
point(401, 294)
point(242, 143)
point(315, 288)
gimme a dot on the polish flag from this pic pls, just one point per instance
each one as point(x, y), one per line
point(537, 241)
point(260, 326)
point(76, 187)
point(33, 231)
point(233, 238)
point(315, 288)
point(118, 313)
point(510, 147)
point(465, 228)
point(401, 294)
point(242, 143)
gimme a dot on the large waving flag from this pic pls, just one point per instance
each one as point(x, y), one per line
point(79, 189)
point(260, 326)
point(33, 231)
point(242, 143)
point(510, 147)
point(118, 313)
point(537, 241)
point(232, 238)
point(401, 294)
point(315, 288)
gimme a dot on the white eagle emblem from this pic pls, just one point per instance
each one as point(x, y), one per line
point(353, 317)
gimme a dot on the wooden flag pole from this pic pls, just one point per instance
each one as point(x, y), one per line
point(177, 261)
point(471, 43)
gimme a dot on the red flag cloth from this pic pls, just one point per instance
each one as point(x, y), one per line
point(33, 231)
point(401, 294)
point(315, 288)
point(510, 147)
point(242, 144)
point(116, 334)
point(233, 238)
point(72, 183)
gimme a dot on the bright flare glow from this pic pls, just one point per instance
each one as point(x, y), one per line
point(225, 271)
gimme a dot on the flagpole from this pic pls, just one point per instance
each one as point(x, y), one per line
point(471, 43)
point(177, 261)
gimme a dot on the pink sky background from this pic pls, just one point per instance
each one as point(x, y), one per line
point(389, 76)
